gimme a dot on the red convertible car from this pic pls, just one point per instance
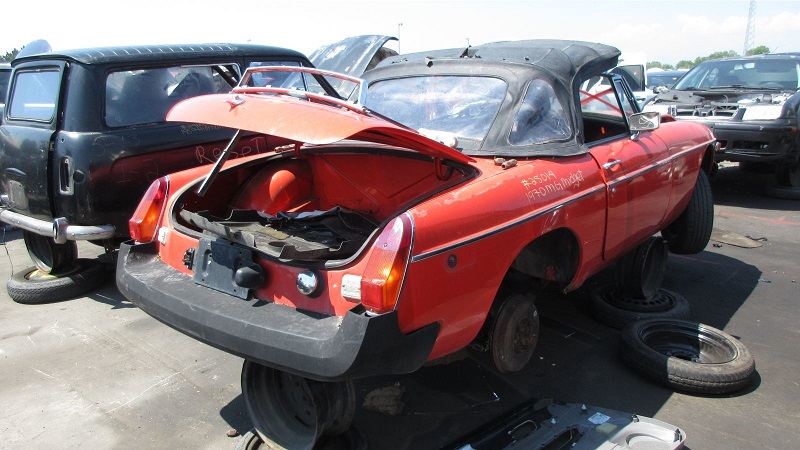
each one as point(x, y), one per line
point(416, 220)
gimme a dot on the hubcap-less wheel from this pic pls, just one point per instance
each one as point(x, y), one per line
point(641, 272)
point(48, 256)
point(293, 411)
point(514, 334)
point(688, 356)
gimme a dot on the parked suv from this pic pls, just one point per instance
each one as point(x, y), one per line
point(751, 105)
point(84, 134)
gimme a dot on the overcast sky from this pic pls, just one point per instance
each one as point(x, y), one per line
point(666, 30)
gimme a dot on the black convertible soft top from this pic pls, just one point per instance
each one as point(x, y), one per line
point(563, 63)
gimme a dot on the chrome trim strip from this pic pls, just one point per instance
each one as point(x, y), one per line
point(451, 247)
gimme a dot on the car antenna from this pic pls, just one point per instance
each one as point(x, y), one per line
point(201, 191)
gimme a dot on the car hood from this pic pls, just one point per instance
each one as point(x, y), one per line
point(732, 95)
point(305, 122)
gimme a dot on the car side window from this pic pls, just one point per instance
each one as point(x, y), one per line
point(35, 95)
point(135, 97)
point(541, 118)
point(604, 112)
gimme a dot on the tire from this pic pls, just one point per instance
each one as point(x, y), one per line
point(640, 273)
point(690, 233)
point(250, 441)
point(614, 308)
point(687, 356)
point(294, 412)
point(788, 175)
point(48, 256)
point(782, 192)
point(32, 286)
point(514, 334)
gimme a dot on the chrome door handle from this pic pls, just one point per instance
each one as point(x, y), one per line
point(611, 164)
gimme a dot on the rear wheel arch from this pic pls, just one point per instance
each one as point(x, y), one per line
point(554, 256)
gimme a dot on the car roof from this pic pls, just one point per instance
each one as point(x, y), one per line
point(777, 56)
point(154, 53)
point(564, 64)
point(563, 58)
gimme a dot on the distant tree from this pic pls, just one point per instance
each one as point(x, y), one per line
point(760, 50)
point(684, 64)
point(716, 55)
point(10, 55)
point(660, 65)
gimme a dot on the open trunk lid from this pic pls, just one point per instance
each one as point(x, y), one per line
point(305, 121)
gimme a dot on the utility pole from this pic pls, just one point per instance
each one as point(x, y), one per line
point(399, 24)
point(750, 33)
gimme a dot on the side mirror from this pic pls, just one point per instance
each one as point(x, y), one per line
point(645, 121)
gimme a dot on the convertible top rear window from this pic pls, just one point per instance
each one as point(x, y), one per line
point(463, 105)
point(541, 118)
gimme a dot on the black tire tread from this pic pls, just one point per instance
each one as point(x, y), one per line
point(685, 375)
point(690, 233)
point(90, 275)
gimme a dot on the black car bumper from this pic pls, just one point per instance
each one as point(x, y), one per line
point(756, 142)
point(327, 348)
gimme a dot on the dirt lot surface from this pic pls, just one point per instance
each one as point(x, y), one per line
point(96, 372)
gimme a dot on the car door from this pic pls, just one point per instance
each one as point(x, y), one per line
point(635, 166)
point(29, 123)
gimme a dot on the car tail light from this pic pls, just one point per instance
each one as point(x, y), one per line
point(144, 222)
point(385, 270)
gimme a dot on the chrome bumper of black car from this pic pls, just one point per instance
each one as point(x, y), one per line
point(58, 229)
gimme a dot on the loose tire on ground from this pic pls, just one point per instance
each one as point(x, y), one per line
point(687, 356)
point(48, 256)
point(615, 308)
point(690, 233)
point(32, 286)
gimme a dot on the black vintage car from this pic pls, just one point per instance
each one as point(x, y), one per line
point(751, 105)
point(83, 135)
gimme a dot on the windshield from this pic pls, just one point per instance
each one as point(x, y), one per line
point(757, 74)
point(462, 105)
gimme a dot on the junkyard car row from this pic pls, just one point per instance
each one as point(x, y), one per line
point(751, 104)
point(369, 225)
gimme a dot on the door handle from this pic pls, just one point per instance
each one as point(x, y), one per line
point(611, 164)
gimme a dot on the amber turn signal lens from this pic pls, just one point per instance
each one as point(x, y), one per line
point(144, 222)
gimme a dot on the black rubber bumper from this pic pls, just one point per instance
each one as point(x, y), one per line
point(327, 348)
point(748, 142)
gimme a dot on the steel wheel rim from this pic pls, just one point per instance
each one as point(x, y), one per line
point(689, 342)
